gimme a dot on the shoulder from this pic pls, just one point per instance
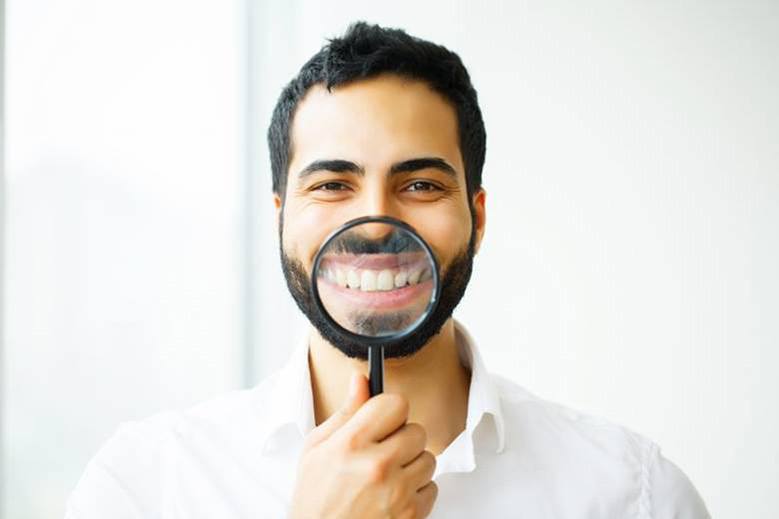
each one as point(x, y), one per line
point(608, 449)
point(117, 478)
point(525, 409)
point(553, 427)
point(125, 478)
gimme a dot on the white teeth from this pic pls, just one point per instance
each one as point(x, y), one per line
point(353, 279)
point(385, 281)
point(372, 280)
point(368, 281)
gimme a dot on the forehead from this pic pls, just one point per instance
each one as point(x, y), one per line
point(374, 122)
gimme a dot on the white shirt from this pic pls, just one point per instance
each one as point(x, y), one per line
point(519, 456)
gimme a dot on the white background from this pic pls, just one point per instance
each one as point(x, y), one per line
point(630, 262)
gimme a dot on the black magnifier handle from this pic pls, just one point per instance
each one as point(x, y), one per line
point(376, 363)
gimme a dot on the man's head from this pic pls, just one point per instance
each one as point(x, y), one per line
point(379, 123)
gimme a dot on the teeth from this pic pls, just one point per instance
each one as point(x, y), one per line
point(372, 280)
point(368, 281)
point(353, 279)
point(385, 281)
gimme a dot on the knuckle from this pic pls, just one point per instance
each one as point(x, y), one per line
point(430, 458)
point(411, 511)
point(401, 405)
point(418, 432)
point(340, 415)
point(426, 462)
point(433, 491)
point(398, 496)
point(352, 443)
point(394, 403)
point(378, 470)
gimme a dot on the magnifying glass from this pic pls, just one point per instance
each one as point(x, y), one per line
point(376, 282)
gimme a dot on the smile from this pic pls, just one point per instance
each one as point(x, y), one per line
point(376, 281)
point(373, 280)
point(376, 272)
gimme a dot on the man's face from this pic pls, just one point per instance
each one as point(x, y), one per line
point(362, 150)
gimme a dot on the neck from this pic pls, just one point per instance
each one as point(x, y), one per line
point(433, 380)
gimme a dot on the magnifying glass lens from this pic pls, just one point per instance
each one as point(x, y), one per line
point(376, 279)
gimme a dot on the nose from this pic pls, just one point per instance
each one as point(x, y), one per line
point(375, 231)
point(378, 201)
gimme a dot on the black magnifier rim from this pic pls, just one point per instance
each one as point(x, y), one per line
point(384, 340)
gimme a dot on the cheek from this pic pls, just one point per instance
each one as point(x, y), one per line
point(447, 234)
point(305, 229)
point(300, 236)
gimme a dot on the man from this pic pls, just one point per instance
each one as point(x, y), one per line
point(380, 123)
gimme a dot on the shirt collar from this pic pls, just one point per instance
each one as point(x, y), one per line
point(484, 421)
point(483, 395)
point(291, 405)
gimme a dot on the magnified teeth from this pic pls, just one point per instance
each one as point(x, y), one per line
point(340, 278)
point(373, 280)
point(385, 280)
point(368, 281)
point(353, 279)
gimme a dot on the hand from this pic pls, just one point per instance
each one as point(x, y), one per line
point(365, 462)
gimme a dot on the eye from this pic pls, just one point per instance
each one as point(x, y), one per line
point(331, 186)
point(421, 185)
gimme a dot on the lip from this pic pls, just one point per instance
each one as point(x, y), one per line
point(395, 299)
point(375, 261)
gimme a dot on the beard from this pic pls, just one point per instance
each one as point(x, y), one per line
point(454, 281)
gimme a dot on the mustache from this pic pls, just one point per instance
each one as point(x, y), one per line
point(394, 242)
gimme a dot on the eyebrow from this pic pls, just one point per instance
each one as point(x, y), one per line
point(407, 166)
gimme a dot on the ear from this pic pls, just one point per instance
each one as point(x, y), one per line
point(277, 204)
point(479, 201)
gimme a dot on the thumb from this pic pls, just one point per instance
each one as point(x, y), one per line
point(357, 396)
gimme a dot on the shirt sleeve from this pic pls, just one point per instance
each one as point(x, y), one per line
point(670, 493)
point(122, 481)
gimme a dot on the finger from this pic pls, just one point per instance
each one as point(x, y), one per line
point(357, 396)
point(420, 471)
point(405, 444)
point(376, 419)
point(426, 497)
